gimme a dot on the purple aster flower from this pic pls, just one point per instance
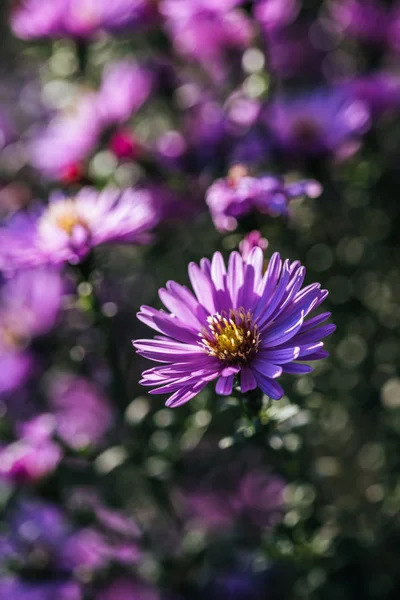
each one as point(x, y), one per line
point(238, 321)
point(35, 455)
point(324, 122)
point(68, 228)
point(239, 194)
point(206, 30)
point(31, 19)
point(81, 411)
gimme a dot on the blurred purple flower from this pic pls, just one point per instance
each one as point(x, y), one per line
point(205, 129)
point(31, 19)
point(380, 92)
point(291, 51)
point(254, 239)
point(29, 307)
point(206, 30)
point(73, 136)
point(250, 148)
point(68, 140)
point(7, 128)
point(242, 112)
point(324, 122)
point(239, 194)
point(14, 588)
point(127, 589)
point(238, 321)
point(393, 35)
point(226, 497)
point(41, 540)
point(15, 369)
point(82, 413)
point(30, 303)
point(365, 20)
point(68, 228)
point(90, 549)
point(35, 455)
point(124, 89)
point(273, 14)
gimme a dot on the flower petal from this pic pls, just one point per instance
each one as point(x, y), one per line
point(247, 380)
point(224, 385)
point(268, 386)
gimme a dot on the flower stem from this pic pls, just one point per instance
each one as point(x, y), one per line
point(118, 390)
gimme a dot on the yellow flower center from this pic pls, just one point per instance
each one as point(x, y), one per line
point(65, 215)
point(233, 338)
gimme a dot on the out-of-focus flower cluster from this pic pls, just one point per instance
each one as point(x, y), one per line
point(146, 144)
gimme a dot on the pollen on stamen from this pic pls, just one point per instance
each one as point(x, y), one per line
point(234, 338)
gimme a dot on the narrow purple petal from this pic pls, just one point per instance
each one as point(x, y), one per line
point(292, 289)
point(279, 292)
point(268, 283)
point(280, 356)
point(235, 277)
point(268, 386)
point(318, 355)
point(164, 323)
point(314, 335)
point(281, 333)
point(297, 369)
point(247, 380)
point(162, 351)
point(181, 310)
point(187, 297)
point(202, 287)
point(218, 271)
point(231, 370)
point(252, 279)
point(315, 321)
point(185, 394)
point(224, 385)
point(218, 275)
point(205, 266)
point(266, 368)
point(310, 349)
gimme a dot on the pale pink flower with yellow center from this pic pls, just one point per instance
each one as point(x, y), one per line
point(68, 228)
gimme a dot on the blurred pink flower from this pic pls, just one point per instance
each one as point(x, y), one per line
point(34, 455)
point(252, 240)
point(206, 30)
point(85, 19)
point(29, 306)
point(69, 227)
point(61, 149)
point(82, 413)
point(241, 491)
